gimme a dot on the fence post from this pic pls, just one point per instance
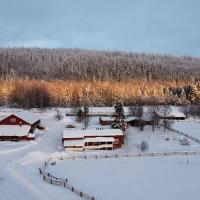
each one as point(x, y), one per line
point(66, 180)
point(51, 181)
point(44, 177)
point(72, 189)
point(64, 184)
point(40, 170)
point(81, 194)
point(96, 157)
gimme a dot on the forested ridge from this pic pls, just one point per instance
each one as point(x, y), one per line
point(36, 77)
point(78, 64)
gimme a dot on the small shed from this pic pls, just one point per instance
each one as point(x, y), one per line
point(105, 121)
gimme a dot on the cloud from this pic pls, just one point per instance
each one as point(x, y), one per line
point(130, 25)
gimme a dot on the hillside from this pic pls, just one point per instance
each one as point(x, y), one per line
point(35, 77)
point(78, 64)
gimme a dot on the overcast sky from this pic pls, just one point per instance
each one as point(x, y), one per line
point(156, 26)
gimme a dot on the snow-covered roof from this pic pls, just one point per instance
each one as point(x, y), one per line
point(14, 130)
point(106, 118)
point(27, 116)
point(83, 141)
point(176, 113)
point(128, 119)
point(77, 133)
point(2, 117)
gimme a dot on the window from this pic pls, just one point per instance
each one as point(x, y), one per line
point(109, 142)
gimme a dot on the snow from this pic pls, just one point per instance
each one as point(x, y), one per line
point(74, 133)
point(28, 116)
point(152, 178)
point(128, 119)
point(159, 140)
point(123, 178)
point(190, 127)
point(106, 118)
point(14, 130)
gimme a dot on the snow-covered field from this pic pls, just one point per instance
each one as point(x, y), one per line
point(158, 140)
point(132, 178)
point(144, 178)
point(190, 126)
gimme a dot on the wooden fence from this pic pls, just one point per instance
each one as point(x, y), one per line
point(98, 114)
point(183, 134)
point(121, 155)
point(63, 182)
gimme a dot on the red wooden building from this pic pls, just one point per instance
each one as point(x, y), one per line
point(21, 118)
point(105, 121)
point(18, 126)
point(92, 139)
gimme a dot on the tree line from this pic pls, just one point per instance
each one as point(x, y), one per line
point(35, 77)
point(89, 65)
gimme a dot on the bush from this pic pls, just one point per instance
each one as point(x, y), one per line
point(79, 115)
point(58, 115)
point(144, 146)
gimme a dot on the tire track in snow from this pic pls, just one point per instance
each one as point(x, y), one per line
point(30, 190)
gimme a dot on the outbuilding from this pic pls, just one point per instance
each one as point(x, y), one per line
point(97, 139)
point(15, 133)
point(21, 118)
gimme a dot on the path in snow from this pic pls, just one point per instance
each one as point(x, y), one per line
point(19, 167)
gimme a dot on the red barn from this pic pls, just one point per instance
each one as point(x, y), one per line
point(18, 126)
point(21, 118)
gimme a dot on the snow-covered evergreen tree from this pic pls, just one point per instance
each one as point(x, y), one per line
point(119, 117)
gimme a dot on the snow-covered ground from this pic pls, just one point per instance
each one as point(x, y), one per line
point(190, 126)
point(144, 178)
point(159, 140)
point(19, 163)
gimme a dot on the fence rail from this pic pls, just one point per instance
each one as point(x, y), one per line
point(183, 134)
point(63, 182)
point(144, 154)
